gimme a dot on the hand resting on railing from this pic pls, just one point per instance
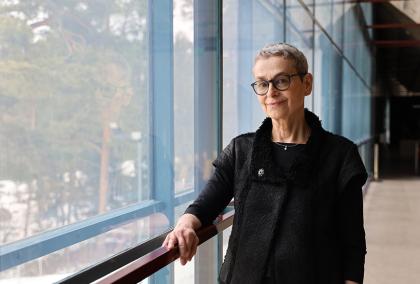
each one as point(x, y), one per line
point(185, 237)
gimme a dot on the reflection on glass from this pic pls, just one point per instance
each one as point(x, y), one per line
point(74, 118)
point(248, 26)
point(338, 22)
point(65, 262)
point(299, 27)
point(299, 32)
point(183, 95)
point(324, 13)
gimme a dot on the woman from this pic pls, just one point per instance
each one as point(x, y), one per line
point(297, 189)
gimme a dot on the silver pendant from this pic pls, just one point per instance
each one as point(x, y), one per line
point(285, 148)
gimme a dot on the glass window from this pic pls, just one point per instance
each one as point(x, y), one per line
point(338, 22)
point(183, 95)
point(350, 40)
point(183, 80)
point(300, 33)
point(322, 78)
point(368, 15)
point(86, 130)
point(324, 15)
point(110, 116)
point(356, 106)
point(74, 112)
point(74, 102)
point(299, 28)
point(248, 26)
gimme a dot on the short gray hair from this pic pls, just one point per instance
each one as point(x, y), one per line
point(286, 51)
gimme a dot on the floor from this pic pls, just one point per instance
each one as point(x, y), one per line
point(392, 224)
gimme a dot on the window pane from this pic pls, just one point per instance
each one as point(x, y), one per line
point(338, 22)
point(247, 27)
point(300, 32)
point(183, 95)
point(244, 33)
point(74, 123)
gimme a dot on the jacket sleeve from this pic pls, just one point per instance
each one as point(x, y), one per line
point(218, 191)
point(352, 234)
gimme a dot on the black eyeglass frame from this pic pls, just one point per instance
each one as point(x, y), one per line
point(274, 85)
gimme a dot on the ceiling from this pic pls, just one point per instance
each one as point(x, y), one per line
point(396, 37)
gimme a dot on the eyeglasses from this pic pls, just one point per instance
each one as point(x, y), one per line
point(280, 82)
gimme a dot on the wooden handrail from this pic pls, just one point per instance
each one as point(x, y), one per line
point(150, 263)
point(397, 43)
point(394, 26)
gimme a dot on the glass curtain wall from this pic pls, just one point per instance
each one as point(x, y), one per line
point(73, 132)
point(247, 26)
point(109, 123)
point(300, 33)
point(357, 80)
point(331, 33)
point(110, 115)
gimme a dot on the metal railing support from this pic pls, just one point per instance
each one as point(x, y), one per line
point(416, 157)
point(376, 161)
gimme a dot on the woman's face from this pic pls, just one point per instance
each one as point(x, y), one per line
point(281, 104)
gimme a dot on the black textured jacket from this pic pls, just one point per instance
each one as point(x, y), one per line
point(335, 239)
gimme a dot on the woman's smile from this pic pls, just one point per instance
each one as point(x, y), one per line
point(276, 103)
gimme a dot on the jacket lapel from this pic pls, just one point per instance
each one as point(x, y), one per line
point(262, 167)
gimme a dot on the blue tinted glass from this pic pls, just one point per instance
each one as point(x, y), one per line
point(248, 26)
point(75, 98)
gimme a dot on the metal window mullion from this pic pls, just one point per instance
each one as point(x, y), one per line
point(208, 78)
point(161, 98)
point(313, 53)
point(219, 36)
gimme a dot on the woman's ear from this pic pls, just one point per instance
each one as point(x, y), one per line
point(308, 82)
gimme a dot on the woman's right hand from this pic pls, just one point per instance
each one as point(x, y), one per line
point(185, 237)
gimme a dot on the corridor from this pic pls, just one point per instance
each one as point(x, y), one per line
point(392, 224)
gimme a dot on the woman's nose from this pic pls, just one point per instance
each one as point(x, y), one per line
point(272, 91)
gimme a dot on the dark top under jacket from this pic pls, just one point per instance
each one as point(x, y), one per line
point(283, 254)
point(298, 213)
